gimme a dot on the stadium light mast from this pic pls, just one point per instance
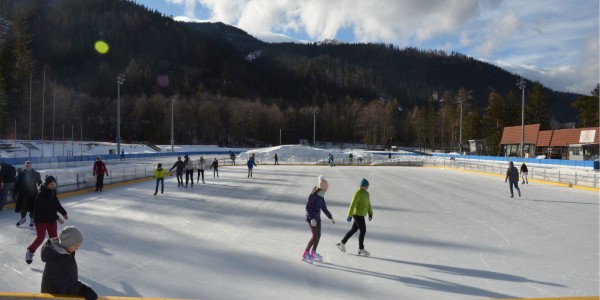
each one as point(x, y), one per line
point(172, 122)
point(314, 110)
point(521, 84)
point(120, 80)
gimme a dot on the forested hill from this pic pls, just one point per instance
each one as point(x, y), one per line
point(214, 64)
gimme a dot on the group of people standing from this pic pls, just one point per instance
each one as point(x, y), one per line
point(39, 199)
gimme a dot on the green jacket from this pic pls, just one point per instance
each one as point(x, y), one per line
point(361, 204)
point(160, 173)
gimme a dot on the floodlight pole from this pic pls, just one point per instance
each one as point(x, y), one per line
point(315, 111)
point(172, 122)
point(120, 80)
point(521, 84)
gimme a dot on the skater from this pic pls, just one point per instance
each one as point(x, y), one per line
point(122, 154)
point(215, 167)
point(330, 160)
point(276, 159)
point(26, 189)
point(179, 171)
point(524, 174)
point(60, 272)
point(8, 176)
point(251, 165)
point(99, 171)
point(160, 174)
point(512, 175)
point(314, 205)
point(350, 157)
point(200, 169)
point(359, 208)
point(45, 215)
point(232, 157)
point(189, 170)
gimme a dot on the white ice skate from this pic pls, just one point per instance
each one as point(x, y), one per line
point(341, 246)
point(307, 258)
point(316, 257)
point(363, 252)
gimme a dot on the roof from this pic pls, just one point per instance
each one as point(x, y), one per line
point(512, 135)
point(547, 138)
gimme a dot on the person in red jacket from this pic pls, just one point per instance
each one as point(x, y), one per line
point(99, 171)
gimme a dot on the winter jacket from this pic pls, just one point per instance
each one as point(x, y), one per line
point(361, 204)
point(523, 168)
point(189, 165)
point(60, 273)
point(201, 164)
point(215, 164)
point(251, 164)
point(8, 173)
point(100, 168)
point(512, 174)
point(47, 206)
point(179, 165)
point(160, 173)
point(314, 205)
point(26, 188)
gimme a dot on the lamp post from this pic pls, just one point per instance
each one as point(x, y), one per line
point(460, 101)
point(315, 111)
point(521, 84)
point(435, 98)
point(120, 80)
point(172, 120)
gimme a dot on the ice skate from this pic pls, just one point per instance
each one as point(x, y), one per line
point(307, 258)
point(519, 192)
point(316, 257)
point(341, 246)
point(363, 252)
point(28, 257)
point(31, 223)
point(21, 222)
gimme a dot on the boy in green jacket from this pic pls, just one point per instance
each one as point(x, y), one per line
point(359, 208)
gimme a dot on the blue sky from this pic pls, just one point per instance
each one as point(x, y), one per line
point(553, 41)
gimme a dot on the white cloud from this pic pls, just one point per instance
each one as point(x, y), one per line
point(557, 37)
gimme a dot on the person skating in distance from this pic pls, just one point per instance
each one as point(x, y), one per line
point(359, 208)
point(512, 176)
point(314, 205)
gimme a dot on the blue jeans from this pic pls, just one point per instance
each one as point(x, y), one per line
point(4, 193)
point(162, 185)
point(515, 183)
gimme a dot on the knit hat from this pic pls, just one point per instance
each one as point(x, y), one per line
point(322, 184)
point(364, 182)
point(49, 179)
point(69, 236)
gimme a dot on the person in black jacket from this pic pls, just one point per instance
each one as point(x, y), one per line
point(45, 215)
point(8, 175)
point(60, 272)
point(179, 171)
point(26, 188)
point(524, 173)
point(215, 167)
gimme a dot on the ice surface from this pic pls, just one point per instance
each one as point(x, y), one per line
point(436, 234)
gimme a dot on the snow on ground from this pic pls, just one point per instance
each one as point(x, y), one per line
point(436, 234)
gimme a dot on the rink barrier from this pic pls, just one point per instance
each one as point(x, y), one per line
point(29, 296)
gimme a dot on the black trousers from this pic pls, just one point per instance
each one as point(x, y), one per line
point(179, 178)
point(359, 224)
point(200, 172)
point(99, 181)
point(189, 175)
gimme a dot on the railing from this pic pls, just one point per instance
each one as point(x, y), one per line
point(579, 177)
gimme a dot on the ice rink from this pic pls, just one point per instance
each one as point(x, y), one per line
point(436, 234)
